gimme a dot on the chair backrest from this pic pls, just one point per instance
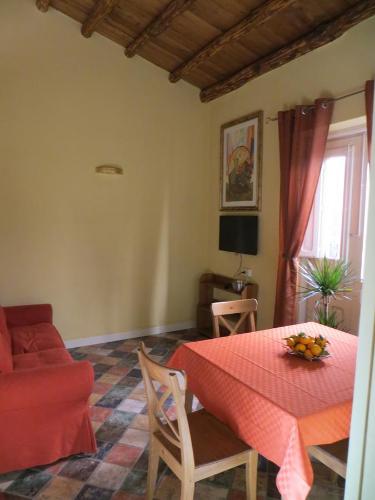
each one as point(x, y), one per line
point(246, 308)
point(162, 383)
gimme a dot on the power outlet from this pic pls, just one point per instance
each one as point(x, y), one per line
point(247, 272)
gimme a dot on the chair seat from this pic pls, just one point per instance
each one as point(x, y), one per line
point(211, 439)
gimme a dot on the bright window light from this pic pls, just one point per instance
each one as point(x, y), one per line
point(331, 192)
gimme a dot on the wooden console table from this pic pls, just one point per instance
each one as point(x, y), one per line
point(207, 284)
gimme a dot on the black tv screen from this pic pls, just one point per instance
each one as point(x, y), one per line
point(239, 234)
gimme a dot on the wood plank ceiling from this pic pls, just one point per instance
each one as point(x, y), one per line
point(216, 45)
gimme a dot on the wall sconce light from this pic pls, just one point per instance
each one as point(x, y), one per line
point(109, 169)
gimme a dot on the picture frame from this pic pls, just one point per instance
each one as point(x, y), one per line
point(241, 143)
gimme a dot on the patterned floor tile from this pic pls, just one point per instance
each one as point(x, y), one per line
point(107, 378)
point(89, 492)
point(136, 482)
point(102, 449)
point(110, 476)
point(114, 427)
point(136, 373)
point(108, 360)
point(118, 470)
point(99, 414)
point(135, 437)
point(124, 455)
point(94, 398)
point(60, 488)
point(140, 422)
point(29, 483)
point(101, 388)
point(7, 479)
point(123, 495)
point(132, 405)
point(118, 370)
point(79, 469)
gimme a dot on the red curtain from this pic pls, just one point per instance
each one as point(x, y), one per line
point(369, 96)
point(303, 136)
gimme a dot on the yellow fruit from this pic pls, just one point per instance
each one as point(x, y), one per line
point(300, 348)
point(309, 346)
point(290, 342)
point(308, 354)
point(316, 350)
point(306, 340)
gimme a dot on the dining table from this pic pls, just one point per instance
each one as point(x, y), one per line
point(277, 403)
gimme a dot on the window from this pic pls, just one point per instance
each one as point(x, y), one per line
point(336, 224)
point(337, 220)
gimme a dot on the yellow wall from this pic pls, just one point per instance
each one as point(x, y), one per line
point(123, 253)
point(111, 254)
point(333, 70)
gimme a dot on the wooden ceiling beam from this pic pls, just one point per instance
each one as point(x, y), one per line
point(257, 17)
point(158, 24)
point(321, 35)
point(43, 5)
point(101, 10)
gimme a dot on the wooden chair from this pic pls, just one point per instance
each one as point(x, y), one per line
point(334, 456)
point(246, 308)
point(194, 445)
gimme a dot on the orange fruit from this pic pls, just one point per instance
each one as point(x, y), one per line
point(308, 355)
point(306, 340)
point(316, 350)
point(300, 348)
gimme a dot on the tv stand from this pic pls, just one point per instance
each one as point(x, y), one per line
point(207, 284)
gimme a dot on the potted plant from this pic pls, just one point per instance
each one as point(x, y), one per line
point(325, 279)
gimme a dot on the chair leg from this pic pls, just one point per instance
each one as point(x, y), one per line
point(153, 464)
point(251, 476)
point(189, 396)
point(187, 490)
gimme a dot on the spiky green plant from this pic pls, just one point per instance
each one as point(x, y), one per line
point(326, 280)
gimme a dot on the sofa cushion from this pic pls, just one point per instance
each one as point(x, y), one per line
point(34, 338)
point(39, 359)
point(6, 362)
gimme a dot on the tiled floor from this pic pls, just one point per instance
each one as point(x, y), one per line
point(119, 468)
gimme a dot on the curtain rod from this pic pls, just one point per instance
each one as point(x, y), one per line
point(345, 96)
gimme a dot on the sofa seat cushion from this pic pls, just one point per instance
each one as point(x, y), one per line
point(39, 359)
point(6, 361)
point(34, 338)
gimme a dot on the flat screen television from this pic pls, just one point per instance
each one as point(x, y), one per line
point(239, 234)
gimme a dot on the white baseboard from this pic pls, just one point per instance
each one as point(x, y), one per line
point(131, 334)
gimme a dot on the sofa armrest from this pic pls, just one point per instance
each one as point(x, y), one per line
point(46, 386)
point(28, 315)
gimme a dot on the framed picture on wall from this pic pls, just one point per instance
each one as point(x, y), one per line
point(241, 163)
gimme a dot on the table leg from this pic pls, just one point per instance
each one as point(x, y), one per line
point(189, 401)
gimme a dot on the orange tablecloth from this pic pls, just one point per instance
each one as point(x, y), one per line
point(277, 403)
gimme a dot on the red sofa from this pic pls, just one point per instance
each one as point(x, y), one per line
point(43, 392)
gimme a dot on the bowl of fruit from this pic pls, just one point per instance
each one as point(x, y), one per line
point(306, 347)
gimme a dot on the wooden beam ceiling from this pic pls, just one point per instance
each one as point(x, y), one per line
point(256, 18)
point(43, 5)
point(158, 24)
point(323, 34)
point(271, 34)
point(101, 10)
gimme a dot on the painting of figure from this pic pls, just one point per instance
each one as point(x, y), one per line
point(241, 143)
